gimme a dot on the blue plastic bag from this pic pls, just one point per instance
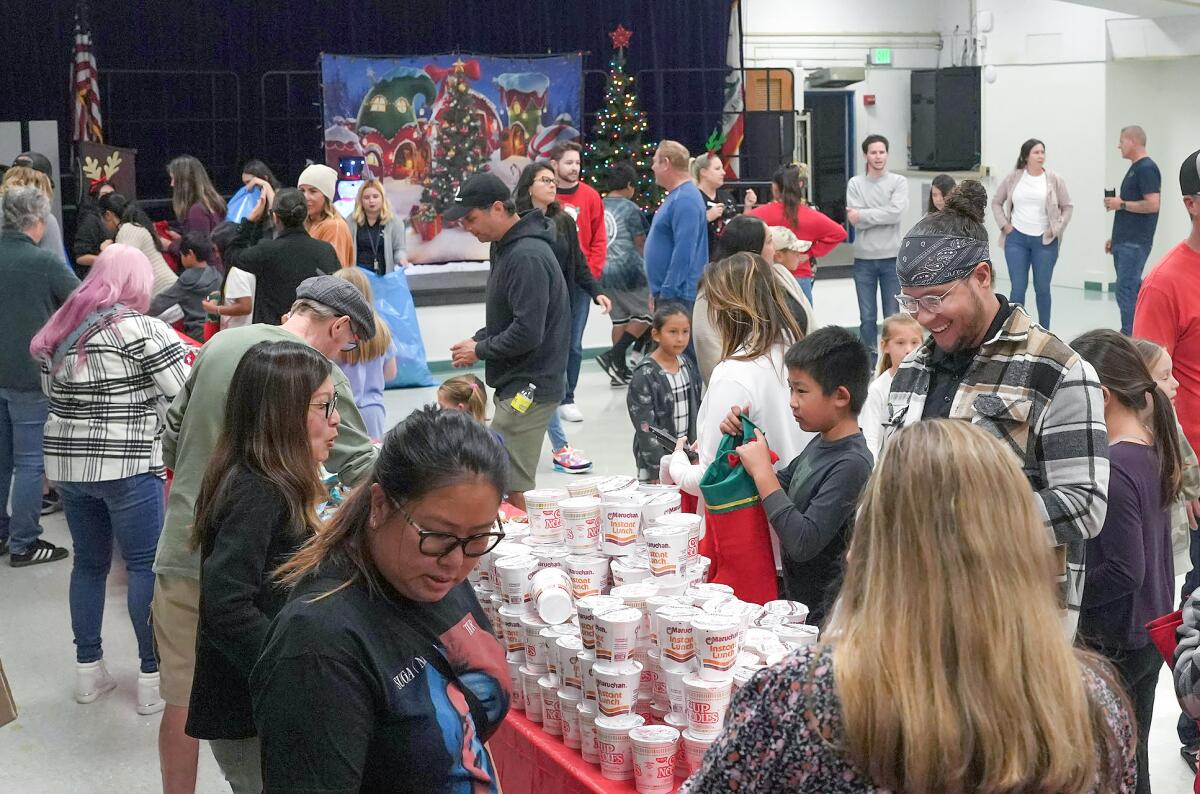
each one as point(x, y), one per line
point(242, 203)
point(394, 303)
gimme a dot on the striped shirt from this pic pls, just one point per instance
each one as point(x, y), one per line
point(1033, 392)
point(681, 391)
point(106, 416)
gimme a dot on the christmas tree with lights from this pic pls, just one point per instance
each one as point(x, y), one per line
point(619, 131)
point(459, 152)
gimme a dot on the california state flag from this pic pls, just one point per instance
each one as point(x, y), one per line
point(731, 115)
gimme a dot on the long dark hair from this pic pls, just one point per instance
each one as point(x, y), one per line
point(192, 186)
point(1026, 148)
point(261, 170)
point(944, 183)
point(265, 431)
point(791, 181)
point(525, 182)
point(743, 233)
point(129, 212)
point(1124, 373)
point(962, 216)
point(430, 449)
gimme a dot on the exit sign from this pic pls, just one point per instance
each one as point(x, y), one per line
point(880, 56)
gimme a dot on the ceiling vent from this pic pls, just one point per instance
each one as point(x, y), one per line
point(836, 77)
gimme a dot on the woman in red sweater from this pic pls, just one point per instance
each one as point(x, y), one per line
point(788, 208)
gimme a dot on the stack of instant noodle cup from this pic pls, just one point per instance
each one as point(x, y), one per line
point(615, 641)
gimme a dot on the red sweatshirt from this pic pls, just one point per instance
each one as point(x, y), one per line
point(822, 231)
point(585, 204)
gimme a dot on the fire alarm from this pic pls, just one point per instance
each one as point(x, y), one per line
point(869, 100)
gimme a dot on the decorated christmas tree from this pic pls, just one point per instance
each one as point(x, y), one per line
point(459, 151)
point(620, 130)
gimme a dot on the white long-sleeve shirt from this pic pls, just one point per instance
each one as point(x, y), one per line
point(874, 413)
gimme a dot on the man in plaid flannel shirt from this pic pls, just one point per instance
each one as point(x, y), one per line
point(987, 362)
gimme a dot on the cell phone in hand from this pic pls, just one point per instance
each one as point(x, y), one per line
point(667, 442)
point(1110, 192)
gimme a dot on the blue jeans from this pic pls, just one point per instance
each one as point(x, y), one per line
point(1129, 259)
point(806, 283)
point(22, 422)
point(869, 275)
point(1020, 252)
point(558, 436)
point(581, 306)
point(129, 511)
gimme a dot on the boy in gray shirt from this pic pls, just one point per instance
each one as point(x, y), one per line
point(874, 204)
point(811, 503)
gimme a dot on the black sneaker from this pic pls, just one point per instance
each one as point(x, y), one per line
point(617, 382)
point(51, 503)
point(610, 367)
point(42, 551)
point(1189, 753)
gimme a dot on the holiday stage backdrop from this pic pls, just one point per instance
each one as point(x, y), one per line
point(423, 124)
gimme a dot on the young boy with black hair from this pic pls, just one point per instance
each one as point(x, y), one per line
point(811, 503)
point(198, 280)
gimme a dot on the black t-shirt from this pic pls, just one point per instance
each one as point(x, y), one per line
point(1142, 178)
point(725, 199)
point(368, 246)
point(946, 370)
point(357, 692)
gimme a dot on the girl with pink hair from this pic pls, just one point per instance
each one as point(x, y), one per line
point(109, 371)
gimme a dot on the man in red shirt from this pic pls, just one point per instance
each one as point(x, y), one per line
point(1168, 312)
point(587, 208)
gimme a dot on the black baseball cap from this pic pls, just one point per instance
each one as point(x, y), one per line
point(479, 192)
point(1189, 175)
point(37, 161)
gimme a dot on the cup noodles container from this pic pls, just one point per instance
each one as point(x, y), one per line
point(535, 645)
point(694, 748)
point(516, 527)
point(742, 675)
point(797, 634)
point(551, 556)
point(581, 523)
point(551, 713)
point(505, 548)
point(587, 732)
point(569, 670)
point(760, 643)
point(587, 608)
point(550, 592)
point(612, 742)
point(717, 639)
point(568, 715)
point(676, 719)
point(628, 570)
point(620, 522)
point(765, 621)
point(676, 638)
point(616, 687)
point(617, 633)
point(653, 604)
point(791, 611)
point(654, 748)
point(695, 528)
point(701, 592)
point(587, 662)
point(545, 517)
point(742, 611)
point(609, 485)
point(707, 701)
point(657, 489)
point(517, 698)
point(514, 631)
point(672, 584)
point(515, 572)
point(676, 694)
point(484, 597)
point(659, 505)
point(667, 548)
point(533, 693)
point(636, 596)
point(589, 574)
point(650, 673)
point(658, 685)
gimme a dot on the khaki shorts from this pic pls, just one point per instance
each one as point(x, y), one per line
point(523, 435)
point(175, 613)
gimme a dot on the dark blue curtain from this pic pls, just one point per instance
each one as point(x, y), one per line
point(249, 38)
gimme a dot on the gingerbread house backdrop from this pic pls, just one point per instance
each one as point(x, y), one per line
point(397, 112)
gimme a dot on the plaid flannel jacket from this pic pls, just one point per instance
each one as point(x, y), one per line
point(1187, 658)
point(1034, 393)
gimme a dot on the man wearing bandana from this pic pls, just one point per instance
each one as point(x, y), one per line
point(988, 363)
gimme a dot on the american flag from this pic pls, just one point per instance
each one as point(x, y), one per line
point(732, 116)
point(85, 91)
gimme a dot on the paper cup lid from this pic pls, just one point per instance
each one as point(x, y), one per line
point(554, 606)
point(659, 529)
point(548, 681)
point(623, 722)
point(546, 493)
point(653, 734)
point(705, 622)
point(692, 738)
point(676, 720)
point(530, 620)
point(637, 590)
point(694, 680)
point(586, 709)
point(569, 693)
point(517, 559)
point(597, 602)
point(579, 502)
point(570, 642)
point(627, 667)
point(622, 615)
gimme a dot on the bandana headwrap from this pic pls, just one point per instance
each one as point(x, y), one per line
point(926, 260)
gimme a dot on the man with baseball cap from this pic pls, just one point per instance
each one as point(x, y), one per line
point(987, 363)
point(52, 240)
point(527, 335)
point(330, 315)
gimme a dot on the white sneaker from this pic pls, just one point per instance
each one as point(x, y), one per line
point(570, 413)
point(91, 681)
point(149, 701)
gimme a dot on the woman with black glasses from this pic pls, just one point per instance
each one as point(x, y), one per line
point(255, 508)
point(382, 672)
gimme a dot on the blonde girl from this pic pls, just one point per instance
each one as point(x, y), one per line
point(901, 335)
point(464, 393)
point(371, 365)
point(376, 232)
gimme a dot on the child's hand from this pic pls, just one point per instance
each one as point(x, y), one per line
point(210, 307)
point(755, 455)
point(731, 425)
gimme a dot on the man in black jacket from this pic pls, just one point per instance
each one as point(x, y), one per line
point(527, 334)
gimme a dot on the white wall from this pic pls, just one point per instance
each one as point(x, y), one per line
point(443, 326)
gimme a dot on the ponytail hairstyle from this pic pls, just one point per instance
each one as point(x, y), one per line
point(792, 182)
point(431, 449)
point(466, 390)
point(1026, 148)
point(890, 326)
point(1124, 373)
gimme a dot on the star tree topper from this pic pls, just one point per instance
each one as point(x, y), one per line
point(620, 37)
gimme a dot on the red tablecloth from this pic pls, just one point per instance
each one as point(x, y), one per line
point(530, 761)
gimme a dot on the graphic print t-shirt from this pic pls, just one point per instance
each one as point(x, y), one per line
point(356, 692)
point(624, 267)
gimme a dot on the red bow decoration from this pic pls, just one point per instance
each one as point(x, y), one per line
point(735, 461)
point(469, 67)
point(94, 184)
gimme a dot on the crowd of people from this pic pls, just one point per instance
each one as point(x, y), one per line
point(184, 390)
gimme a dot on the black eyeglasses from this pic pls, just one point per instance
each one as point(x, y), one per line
point(546, 181)
point(328, 407)
point(439, 544)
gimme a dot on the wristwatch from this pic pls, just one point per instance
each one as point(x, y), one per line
point(1123, 207)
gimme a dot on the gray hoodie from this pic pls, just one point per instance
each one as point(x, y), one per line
point(880, 202)
point(193, 285)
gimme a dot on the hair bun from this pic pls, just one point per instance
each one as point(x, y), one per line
point(968, 199)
